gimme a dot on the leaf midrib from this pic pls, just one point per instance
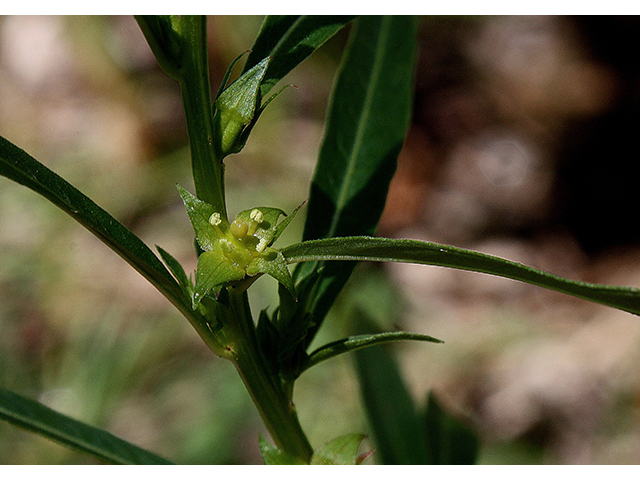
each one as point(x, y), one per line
point(288, 34)
point(359, 138)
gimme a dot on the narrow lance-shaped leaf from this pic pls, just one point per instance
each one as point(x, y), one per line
point(20, 167)
point(31, 415)
point(450, 440)
point(414, 251)
point(357, 342)
point(164, 40)
point(366, 126)
point(290, 39)
point(175, 268)
point(391, 412)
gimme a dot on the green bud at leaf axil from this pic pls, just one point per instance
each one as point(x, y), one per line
point(236, 109)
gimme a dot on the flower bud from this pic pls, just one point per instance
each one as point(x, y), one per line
point(236, 108)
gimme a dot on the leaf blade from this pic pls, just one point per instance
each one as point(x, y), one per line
point(390, 409)
point(290, 39)
point(357, 342)
point(19, 166)
point(31, 415)
point(427, 253)
point(450, 441)
point(366, 126)
point(176, 269)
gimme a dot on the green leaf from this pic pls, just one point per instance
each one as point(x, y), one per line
point(274, 456)
point(20, 167)
point(366, 126)
point(426, 253)
point(34, 416)
point(450, 441)
point(289, 40)
point(339, 451)
point(175, 268)
point(396, 428)
point(164, 40)
point(356, 342)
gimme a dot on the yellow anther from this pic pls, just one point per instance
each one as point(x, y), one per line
point(256, 215)
point(262, 244)
point(215, 219)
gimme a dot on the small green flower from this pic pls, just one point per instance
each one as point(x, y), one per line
point(234, 250)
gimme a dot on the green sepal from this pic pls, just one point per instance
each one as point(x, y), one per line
point(339, 451)
point(236, 107)
point(273, 264)
point(199, 213)
point(285, 222)
point(214, 269)
point(227, 74)
point(274, 456)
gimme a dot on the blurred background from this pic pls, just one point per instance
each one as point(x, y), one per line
point(523, 145)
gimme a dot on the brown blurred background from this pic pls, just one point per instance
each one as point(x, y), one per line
point(523, 145)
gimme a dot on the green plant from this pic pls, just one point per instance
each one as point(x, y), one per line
point(366, 124)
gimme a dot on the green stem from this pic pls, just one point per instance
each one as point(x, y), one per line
point(277, 411)
point(208, 170)
point(239, 343)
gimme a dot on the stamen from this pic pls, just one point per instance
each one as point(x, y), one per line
point(262, 244)
point(256, 215)
point(215, 219)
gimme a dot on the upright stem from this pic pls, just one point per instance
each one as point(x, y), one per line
point(277, 412)
point(240, 344)
point(196, 96)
